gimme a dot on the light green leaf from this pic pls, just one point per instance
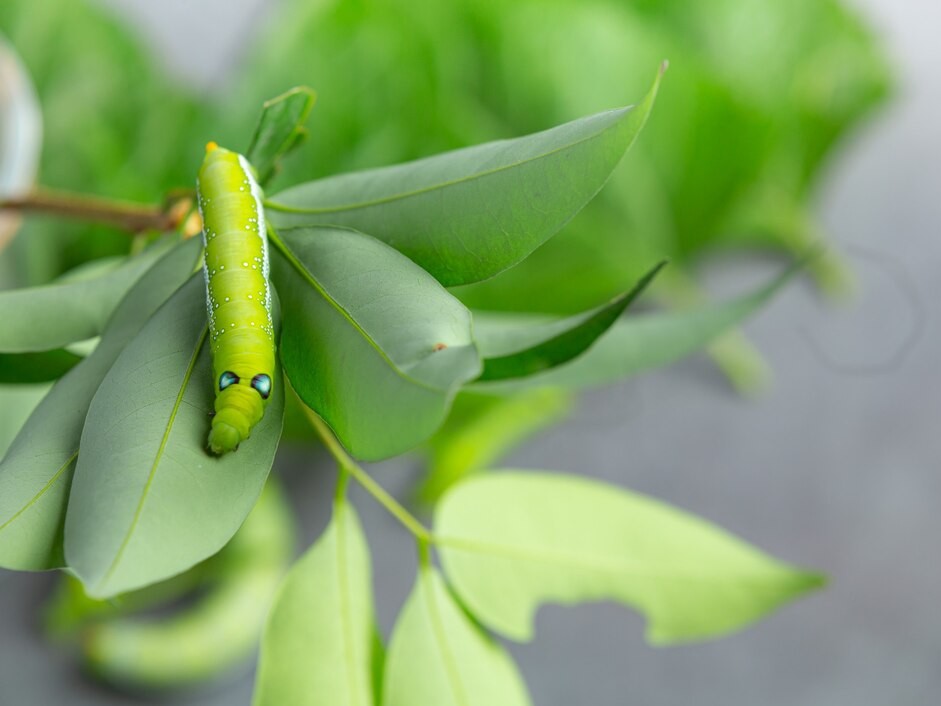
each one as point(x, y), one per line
point(632, 345)
point(521, 352)
point(55, 315)
point(439, 656)
point(280, 129)
point(148, 501)
point(512, 541)
point(318, 646)
point(36, 473)
point(483, 428)
point(466, 215)
point(371, 342)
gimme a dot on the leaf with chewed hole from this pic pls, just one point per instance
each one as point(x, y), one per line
point(511, 541)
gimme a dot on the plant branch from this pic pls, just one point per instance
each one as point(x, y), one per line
point(348, 465)
point(126, 215)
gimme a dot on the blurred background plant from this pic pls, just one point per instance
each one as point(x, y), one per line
point(759, 96)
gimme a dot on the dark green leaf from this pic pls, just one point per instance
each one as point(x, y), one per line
point(371, 342)
point(512, 541)
point(318, 645)
point(632, 345)
point(44, 366)
point(516, 353)
point(148, 501)
point(438, 656)
point(36, 473)
point(280, 129)
point(466, 215)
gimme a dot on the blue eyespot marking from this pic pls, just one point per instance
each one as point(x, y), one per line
point(262, 383)
point(227, 378)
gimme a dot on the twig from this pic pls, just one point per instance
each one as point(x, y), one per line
point(131, 217)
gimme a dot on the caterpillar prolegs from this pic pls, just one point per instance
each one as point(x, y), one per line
point(238, 295)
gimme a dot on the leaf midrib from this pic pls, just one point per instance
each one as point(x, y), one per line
point(440, 634)
point(343, 587)
point(41, 492)
point(580, 561)
point(158, 457)
point(286, 208)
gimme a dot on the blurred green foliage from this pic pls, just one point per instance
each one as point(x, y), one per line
point(758, 96)
point(113, 124)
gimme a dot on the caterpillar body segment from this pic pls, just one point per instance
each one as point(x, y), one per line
point(238, 295)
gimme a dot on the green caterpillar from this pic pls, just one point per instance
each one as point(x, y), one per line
point(238, 295)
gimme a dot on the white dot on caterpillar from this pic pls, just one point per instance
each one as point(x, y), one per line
point(249, 296)
point(227, 299)
point(244, 264)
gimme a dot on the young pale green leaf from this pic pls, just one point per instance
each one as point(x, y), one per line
point(148, 501)
point(512, 541)
point(466, 215)
point(55, 315)
point(515, 353)
point(280, 129)
point(632, 345)
point(318, 647)
point(439, 656)
point(36, 473)
point(371, 342)
point(42, 366)
point(483, 428)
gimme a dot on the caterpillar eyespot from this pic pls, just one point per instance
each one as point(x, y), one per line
point(227, 378)
point(262, 383)
point(243, 353)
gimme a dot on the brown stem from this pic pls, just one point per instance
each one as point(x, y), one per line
point(132, 217)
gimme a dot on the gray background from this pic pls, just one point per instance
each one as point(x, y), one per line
point(835, 468)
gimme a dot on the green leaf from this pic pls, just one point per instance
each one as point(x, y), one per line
point(371, 342)
point(512, 541)
point(516, 353)
point(148, 501)
point(483, 428)
point(439, 656)
point(214, 631)
point(280, 129)
point(633, 345)
point(43, 366)
point(318, 645)
point(36, 473)
point(17, 403)
point(466, 215)
point(55, 315)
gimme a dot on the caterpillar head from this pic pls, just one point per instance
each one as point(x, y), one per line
point(239, 406)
